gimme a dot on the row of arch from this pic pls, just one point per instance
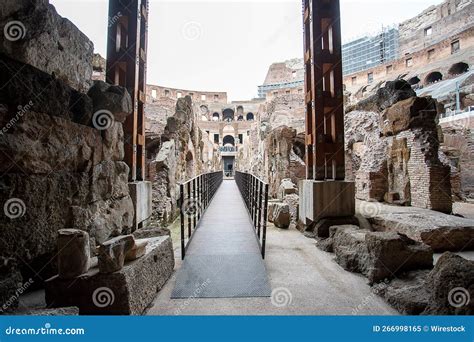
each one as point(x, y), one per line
point(436, 76)
point(228, 115)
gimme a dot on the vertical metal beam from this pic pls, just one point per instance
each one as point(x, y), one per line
point(126, 66)
point(324, 90)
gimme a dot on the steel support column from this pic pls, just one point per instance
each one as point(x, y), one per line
point(323, 90)
point(126, 66)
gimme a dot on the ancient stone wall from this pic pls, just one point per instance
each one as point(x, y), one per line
point(277, 143)
point(61, 149)
point(393, 150)
point(176, 154)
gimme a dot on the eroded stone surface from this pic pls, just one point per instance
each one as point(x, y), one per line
point(113, 252)
point(73, 253)
point(126, 292)
point(378, 255)
point(440, 231)
point(48, 42)
point(281, 215)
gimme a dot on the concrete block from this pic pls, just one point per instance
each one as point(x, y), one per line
point(325, 199)
point(141, 198)
point(126, 292)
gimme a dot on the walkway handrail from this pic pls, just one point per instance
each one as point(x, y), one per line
point(254, 192)
point(195, 196)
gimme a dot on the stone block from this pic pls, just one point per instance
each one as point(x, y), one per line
point(141, 193)
point(112, 253)
point(281, 215)
point(126, 292)
point(440, 231)
point(378, 255)
point(151, 232)
point(137, 251)
point(326, 199)
point(47, 41)
point(110, 100)
point(287, 187)
point(73, 253)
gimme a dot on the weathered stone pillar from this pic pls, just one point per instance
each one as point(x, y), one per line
point(73, 253)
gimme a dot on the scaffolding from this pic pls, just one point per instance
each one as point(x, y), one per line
point(370, 51)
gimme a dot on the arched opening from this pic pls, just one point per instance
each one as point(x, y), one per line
point(433, 77)
point(240, 118)
point(229, 140)
point(414, 80)
point(458, 68)
point(204, 110)
point(250, 117)
point(215, 116)
point(228, 114)
point(299, 149)
point(240, 110)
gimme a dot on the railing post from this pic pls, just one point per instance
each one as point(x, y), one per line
point(181, 216)
point(194, 204)
point(265, 218)
point(187, 212)
point(260, 201)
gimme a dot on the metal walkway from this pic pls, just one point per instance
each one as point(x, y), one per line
point(223, 259)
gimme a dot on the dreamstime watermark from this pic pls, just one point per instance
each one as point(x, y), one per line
point(281, 297)
point(370, 209)
point(46, 330)
point(103, 297)
point(190, 207)
point(14, 30)
point(14, 208)
point(193, 297)
point(14, 298)
point(459, 297)
point(113, 20)
point(102, 119)
point(22, 110)
point(192, 30)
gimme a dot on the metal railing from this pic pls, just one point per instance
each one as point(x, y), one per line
point(195, 196)
point(254, 192)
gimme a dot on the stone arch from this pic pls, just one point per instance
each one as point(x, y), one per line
point(228, 140)
point(215, 116)
point(458, 68)
point(228, 114)
point(240, 110)
point(414, 80)
point(250, 117)
point(228, 129)
point(433, 77)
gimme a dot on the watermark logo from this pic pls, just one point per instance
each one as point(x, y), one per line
point(370, 209)
point(14, 30)
point(102, 119)
point(113, 20)
point(192, 30)
point(191, 207)
point(14, 298)
point(193, 297)
point(103, 297)
point(459, 297)
point(281, 297)
point(22, 110)
point(14, 208)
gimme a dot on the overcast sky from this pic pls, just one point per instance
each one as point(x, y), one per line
point(227, 45)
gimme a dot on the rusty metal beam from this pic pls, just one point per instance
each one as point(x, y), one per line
point(126, 66)
point(324, 90)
